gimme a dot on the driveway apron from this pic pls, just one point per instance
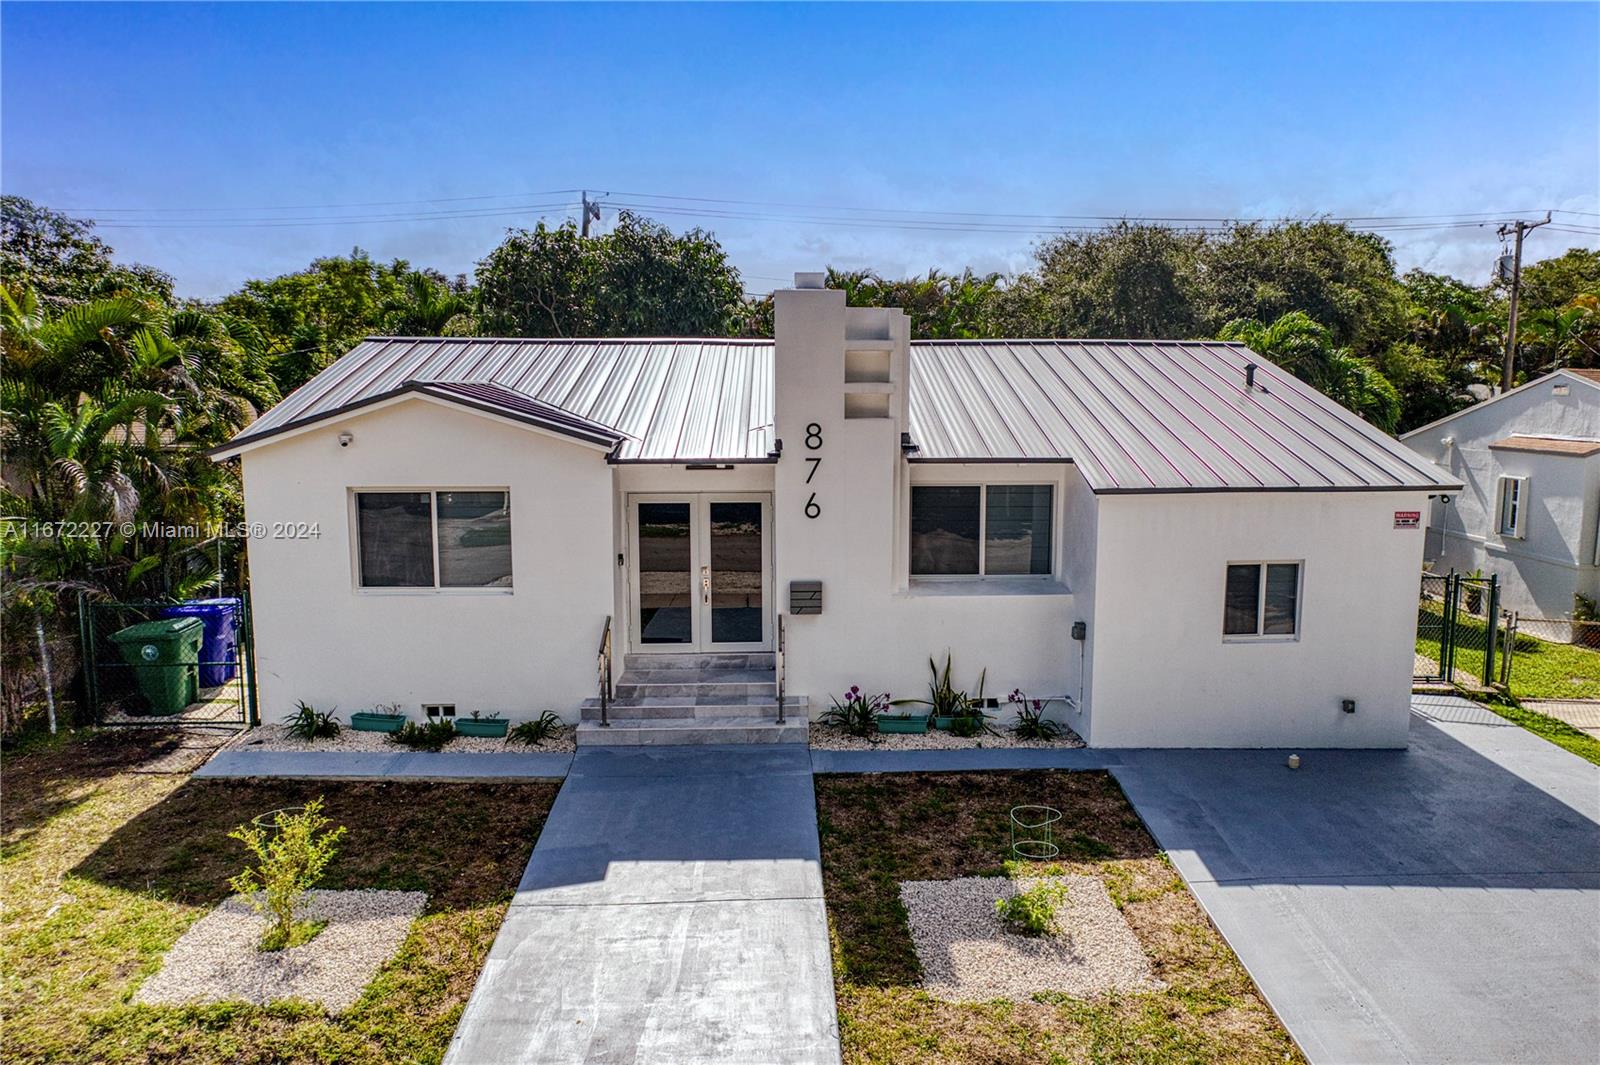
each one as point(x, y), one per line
point(671, 914)
point(1438, 904)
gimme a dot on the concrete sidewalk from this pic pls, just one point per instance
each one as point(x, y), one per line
point(965, 760)
point(382, 765)
point(1437, 904)
point(671, 914)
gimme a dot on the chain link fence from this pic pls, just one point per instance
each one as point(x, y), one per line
point(169, 664)
point(1458, 623)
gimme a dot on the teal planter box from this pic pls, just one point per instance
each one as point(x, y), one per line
point(366, 721)
point(481, 726)
point(902, 722)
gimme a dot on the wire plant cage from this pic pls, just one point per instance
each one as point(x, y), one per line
point(1033, 832)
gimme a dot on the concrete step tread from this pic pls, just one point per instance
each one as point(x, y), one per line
point(674, 731)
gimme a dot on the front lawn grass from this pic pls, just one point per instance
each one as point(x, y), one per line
point(104, 867)
point(878, 830)
point(1540, 669)
point(1556, 731)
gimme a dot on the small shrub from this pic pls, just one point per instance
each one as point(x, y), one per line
point(291, 849)
point(431, 736)
point(1033, 912)
point(944, 698)
point(1031, 724)
point(307, 723)
point(547, 725)
point(858, 714)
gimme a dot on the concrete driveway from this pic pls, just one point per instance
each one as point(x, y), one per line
point(1438, 904)
point(671, 914)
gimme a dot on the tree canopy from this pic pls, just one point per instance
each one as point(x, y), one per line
point(640, 279)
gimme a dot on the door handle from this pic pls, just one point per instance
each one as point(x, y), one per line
point(705, 584)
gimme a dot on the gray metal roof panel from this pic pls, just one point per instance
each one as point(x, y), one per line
point(1135, 416)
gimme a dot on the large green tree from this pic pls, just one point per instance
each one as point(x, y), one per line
point(62, 261)
point(1341, 278)
point(1127, 280)
point(312, 316)
point(640, 279)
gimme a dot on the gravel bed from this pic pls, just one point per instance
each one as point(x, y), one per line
point(968, 955)
point(834, 738)
point(277, 738)
point(217, 959)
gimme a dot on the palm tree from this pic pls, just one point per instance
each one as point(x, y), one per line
point(1299, 344)
point(426, 308)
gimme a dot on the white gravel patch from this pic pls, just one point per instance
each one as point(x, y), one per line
point(277, 738)
point(217, 959)
point(968, 955)
point(833, 738)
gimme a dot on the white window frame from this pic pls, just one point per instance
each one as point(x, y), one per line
point(1261, 600)
point(1511, 493)
point(433, 514)
point(983, 531)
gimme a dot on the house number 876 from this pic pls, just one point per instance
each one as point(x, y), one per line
point(813, 443)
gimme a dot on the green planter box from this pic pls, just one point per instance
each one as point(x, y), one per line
point(481, 726)
point(366, 721)
point(902, 722)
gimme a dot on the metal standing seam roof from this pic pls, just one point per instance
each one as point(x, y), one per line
point(1148, 416)
point(669, 399)
point(1135, 416)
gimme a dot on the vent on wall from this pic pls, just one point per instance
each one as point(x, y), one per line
point(439, 710)
point(866, 367)
point(866, 405)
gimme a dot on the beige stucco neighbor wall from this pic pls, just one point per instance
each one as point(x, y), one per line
point(321, 639)
point(1165, 677)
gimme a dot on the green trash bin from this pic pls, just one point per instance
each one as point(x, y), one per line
point(165, 658)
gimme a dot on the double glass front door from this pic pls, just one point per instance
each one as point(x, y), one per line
point(701, 572)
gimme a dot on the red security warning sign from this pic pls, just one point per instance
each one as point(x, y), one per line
point(1407, 519)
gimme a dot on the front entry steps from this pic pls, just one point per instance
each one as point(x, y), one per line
point(671, 699)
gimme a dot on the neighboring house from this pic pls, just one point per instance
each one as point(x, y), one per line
point(1530, 509)
point(1179, 543)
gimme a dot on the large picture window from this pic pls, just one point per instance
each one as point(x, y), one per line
point(996, 530)
point(1262, 599)
point(434, 539)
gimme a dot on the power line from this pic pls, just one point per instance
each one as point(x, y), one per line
point(321, 206)
point(331, 220)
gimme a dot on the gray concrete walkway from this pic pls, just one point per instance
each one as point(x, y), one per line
point(671, 914)
point(965, 760)
point(382, 765)
point(1438, 904)
point(1581, 714)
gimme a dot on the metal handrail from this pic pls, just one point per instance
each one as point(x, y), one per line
point(603, 668)
point(777, 660)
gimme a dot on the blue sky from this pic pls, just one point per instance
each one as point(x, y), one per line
point(142, 113)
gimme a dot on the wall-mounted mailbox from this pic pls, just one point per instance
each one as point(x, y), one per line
point(805, 597)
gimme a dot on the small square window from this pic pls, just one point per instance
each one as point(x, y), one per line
point(1261, 599)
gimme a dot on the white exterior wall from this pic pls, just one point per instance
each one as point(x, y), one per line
point(877, 629)
point(1557, 555)
point(1163, 674)
point(322, 639)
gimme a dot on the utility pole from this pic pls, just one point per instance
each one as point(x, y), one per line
point(591, 210)
point(1509, 366)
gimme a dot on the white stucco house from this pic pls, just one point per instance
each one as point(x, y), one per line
point(1530, 509)
point(1178, 544)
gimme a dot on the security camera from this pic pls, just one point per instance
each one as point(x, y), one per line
point(345, 438)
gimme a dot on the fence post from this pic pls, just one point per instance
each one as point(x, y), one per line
point(247, 663)
point(1492, 616)
point(1447, 634)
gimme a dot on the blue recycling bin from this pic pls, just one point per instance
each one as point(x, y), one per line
point(219, 651)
